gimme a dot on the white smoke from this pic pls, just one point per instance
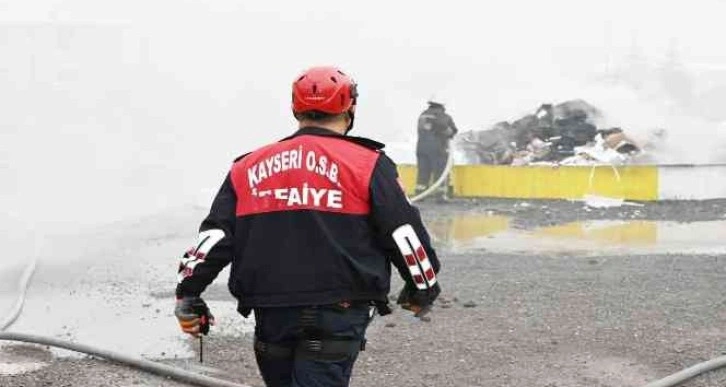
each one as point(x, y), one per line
point(116, 110)
point(689, 133)
point(674, 106)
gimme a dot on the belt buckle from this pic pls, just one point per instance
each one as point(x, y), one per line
point(314, 345)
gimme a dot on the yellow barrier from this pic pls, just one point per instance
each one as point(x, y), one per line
point(545, 182)
point(407, 173)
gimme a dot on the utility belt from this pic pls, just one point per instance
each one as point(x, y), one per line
point(310, 349)
point(315, 343)
point(381, 307)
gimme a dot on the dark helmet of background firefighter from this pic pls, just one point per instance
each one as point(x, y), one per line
point(436, 103)
point(324, 91)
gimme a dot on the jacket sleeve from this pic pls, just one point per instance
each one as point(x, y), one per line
point(214, 249)
point(452, 126)
point(399, 229)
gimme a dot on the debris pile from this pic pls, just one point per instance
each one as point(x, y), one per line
point(563, 134)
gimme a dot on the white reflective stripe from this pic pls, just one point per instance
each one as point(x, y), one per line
point(206, 240)
point(427, 268)
point(187, 269)
point(415, 256)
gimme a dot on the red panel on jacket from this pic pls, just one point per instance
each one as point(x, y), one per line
point(306, 172)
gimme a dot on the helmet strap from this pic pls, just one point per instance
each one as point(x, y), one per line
point(351, 115)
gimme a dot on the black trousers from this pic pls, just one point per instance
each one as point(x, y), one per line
point(288, 326)
point(430, 167)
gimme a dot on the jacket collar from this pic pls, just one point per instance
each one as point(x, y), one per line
point(316, 131)
point(322, 132)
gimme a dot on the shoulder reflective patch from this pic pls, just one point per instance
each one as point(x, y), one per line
point(415, 256)
point(195, 255)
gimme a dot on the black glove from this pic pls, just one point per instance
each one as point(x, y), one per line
point(418, 301)
point(193, 315)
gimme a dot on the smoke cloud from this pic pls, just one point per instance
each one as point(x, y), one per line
point(115, 110)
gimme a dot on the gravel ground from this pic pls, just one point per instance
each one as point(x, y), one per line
point(539, 319)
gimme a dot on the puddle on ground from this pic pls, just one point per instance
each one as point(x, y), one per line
point(21, 359)
point(19, 368)
point(108, 305)
point(493, 232)
point(130, 324)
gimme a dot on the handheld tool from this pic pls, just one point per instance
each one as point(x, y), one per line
point(203, 312)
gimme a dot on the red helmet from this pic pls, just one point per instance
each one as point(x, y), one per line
point(323, 89)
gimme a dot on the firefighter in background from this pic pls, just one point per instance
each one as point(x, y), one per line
point(435, 129)
point(310, 226)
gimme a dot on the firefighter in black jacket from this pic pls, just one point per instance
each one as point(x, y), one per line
point(435, 129)
point(311, 225)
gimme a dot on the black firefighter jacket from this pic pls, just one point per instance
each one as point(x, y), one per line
point(314, 219)
point(435, 129)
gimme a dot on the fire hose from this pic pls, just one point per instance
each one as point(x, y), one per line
point(434, 187)
point(163, 370)
point(18, 305)
point(690, 373)
point(192, 378)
